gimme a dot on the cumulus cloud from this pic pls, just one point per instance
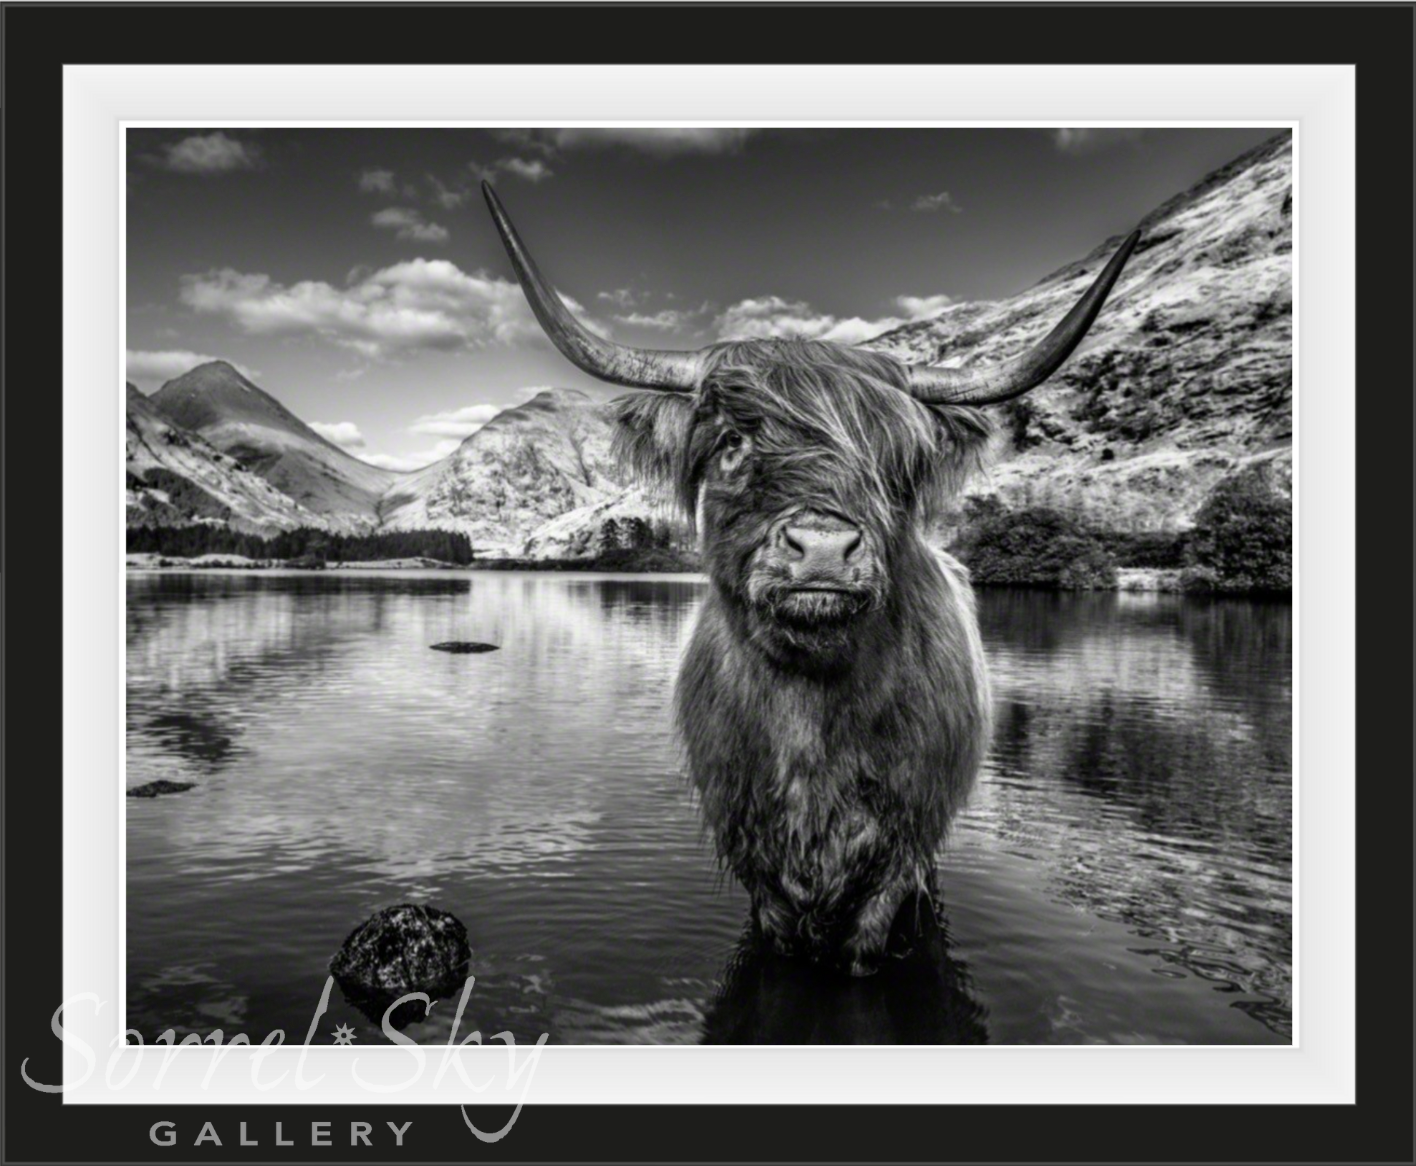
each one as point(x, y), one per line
point(943, 201)
point(447, 197)
point(417, 305)
point(459, 423)
point(149, 370)
point(1089, 140)
point(343, 433)
point(407, 223)
point(622, 297)
point(922, 307)
point(665, 320)
point(773, 317)
point(412, 461)
point(532, 170)
point(210, 154)
point(377, 182)
point(659, 143)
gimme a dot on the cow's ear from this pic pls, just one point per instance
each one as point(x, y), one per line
point(964, 440)
point(651, 437)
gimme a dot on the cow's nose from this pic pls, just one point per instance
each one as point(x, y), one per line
point(823, 547)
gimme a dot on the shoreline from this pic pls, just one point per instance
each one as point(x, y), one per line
point(1130, 580)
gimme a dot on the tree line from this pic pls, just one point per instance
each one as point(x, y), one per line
point(302, 543)
point(1241, 543)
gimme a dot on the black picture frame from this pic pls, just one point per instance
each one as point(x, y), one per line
point(39, 39)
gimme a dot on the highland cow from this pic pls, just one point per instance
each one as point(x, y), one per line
point(833, 702)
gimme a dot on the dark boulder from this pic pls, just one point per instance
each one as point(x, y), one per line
point(155, 788)
point(462, 647)
point(408, 948)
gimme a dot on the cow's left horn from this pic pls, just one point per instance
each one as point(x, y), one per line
point(636, 368)
point(987, 386)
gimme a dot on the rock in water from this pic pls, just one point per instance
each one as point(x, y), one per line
point(408, 948)
point(153, 788)
point(462, 647)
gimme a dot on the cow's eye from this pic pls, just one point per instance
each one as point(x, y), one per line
point(733, 446)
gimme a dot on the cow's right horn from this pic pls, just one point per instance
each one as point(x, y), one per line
point(635, 368)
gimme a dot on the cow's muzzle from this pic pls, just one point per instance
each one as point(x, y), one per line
point(823, 551)
point(820, 567)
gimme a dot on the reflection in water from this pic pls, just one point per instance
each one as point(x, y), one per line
point(1121, 874)
point(922, 997)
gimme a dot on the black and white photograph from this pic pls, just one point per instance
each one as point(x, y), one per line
point(710, 584)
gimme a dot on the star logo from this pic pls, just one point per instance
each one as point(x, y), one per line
point(344, 1035)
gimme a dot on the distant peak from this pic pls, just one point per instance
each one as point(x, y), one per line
point(549, 396)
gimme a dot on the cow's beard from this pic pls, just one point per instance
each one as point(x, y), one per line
point(809, 629)
point(812, 609)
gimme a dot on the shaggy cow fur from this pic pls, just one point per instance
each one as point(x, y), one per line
point(832, 734)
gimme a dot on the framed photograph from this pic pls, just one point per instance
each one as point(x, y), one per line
point(709, 604)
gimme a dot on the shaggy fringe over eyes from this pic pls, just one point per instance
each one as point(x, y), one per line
point(822, 416)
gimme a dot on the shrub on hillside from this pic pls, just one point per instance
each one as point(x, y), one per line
point(1243, 538)
point(1035, 547)
point(1160, 549)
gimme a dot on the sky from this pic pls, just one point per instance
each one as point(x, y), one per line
point(355, 273)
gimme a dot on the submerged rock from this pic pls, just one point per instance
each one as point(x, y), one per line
point(408, 948)
point(462, 647)
point(154, 788)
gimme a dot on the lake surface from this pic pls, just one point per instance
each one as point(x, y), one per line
point(1121, 875)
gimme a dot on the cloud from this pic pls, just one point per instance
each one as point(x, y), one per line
point(458, 423)
point(418, 305)
point(377, 182)
point(622, 297)
point(667, 320)
point(1090, 141)
point(528, 169)
point(535, 141)
point(772, 317)
point(943, 201)
point(151, 369)
point(922, 307)
point(210, 154)
point(658, 143)
point(412, 461)
point(532, 170)
point(343, 433)
point(409, 224)
point(447, 197)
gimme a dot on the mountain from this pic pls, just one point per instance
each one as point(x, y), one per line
point(1185, 377)
point(176, 478)
point(218, 403)
point(526, 466)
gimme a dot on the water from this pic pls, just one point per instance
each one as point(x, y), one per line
point(1122, 873)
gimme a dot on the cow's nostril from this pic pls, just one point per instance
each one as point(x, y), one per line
point(852, 544)
point(794, 542)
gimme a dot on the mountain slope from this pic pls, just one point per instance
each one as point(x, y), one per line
point(176, 478)
point(528, 465)
point(1185, 376)
point(217, 402)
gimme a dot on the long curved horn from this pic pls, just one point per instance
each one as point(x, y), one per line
point(988, 386)
point(635, 368)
